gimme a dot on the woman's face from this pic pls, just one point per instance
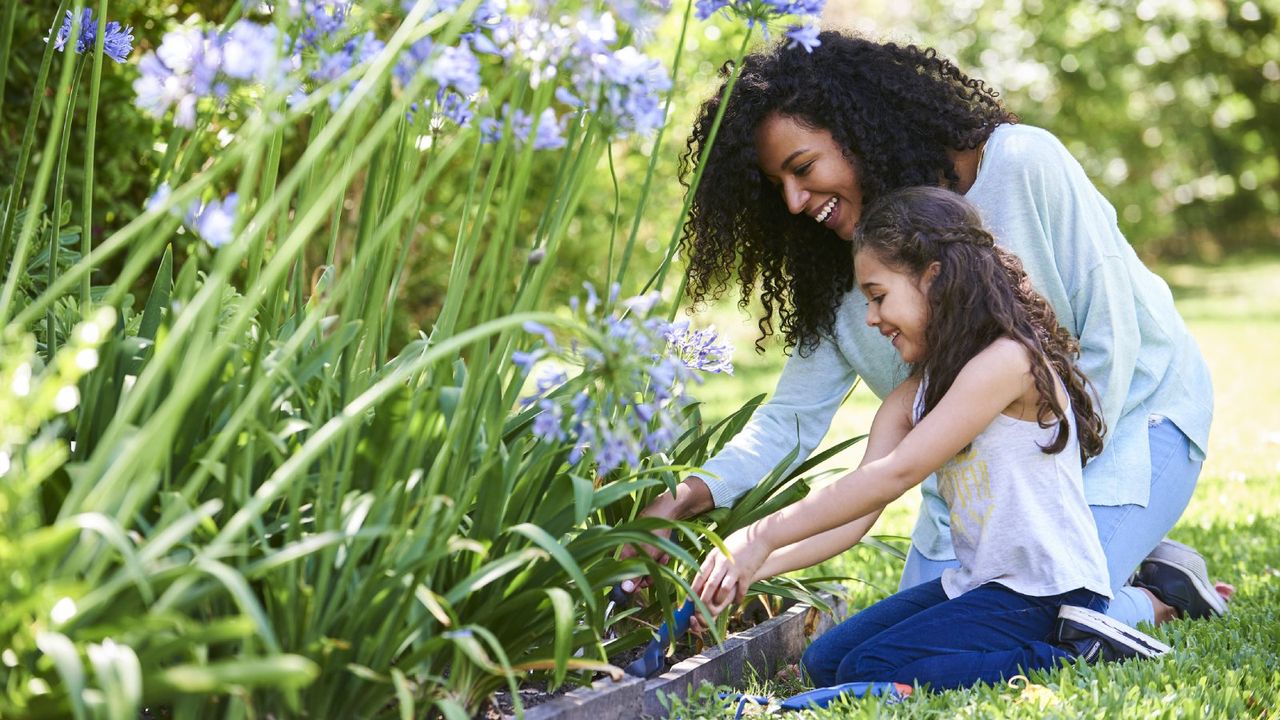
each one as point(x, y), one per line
point(897, 303)
point(810, 170)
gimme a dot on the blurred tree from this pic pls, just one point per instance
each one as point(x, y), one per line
point(1172, 106)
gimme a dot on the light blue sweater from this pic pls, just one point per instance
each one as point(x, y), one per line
point(1135, 347)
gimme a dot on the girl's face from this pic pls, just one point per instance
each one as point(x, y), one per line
point(897, 303)
point(811, 171)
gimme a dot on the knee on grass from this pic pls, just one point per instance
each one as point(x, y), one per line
point(867, 665)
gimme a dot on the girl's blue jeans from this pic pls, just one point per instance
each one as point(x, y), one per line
point(917, 635)
point(1128, 532)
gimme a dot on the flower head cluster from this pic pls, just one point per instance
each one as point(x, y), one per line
point(334, 64)
point(621, 85)
point(117, 42)
point(318, 20)
point(636, 371)
point(631, 86)
point(762, 12)
point(547, 135)
point(193, 64)
point(455, 69)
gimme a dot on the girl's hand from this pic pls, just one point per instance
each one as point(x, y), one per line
point(724, 579)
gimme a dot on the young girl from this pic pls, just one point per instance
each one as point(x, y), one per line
point(995, 405)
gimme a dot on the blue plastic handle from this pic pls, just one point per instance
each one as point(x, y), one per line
point(824, 696)
point(651, 662)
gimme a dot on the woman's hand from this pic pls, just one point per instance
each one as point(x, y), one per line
point(724, 579)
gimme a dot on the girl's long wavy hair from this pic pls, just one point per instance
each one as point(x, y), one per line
point(897, 111)
point(980, 294)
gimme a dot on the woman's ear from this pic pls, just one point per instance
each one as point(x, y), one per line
point(931, 272)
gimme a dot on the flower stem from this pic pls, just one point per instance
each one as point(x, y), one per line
point(42, 176)
point(28, 139)
point(91, 134)
point(6, 43)
point(661, 274)
point(657, 143)
point(55, 214)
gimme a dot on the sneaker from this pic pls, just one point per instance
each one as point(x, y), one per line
point(1094, 636)
point(1177, 575)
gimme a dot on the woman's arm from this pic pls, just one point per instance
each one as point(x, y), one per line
point(987, 385)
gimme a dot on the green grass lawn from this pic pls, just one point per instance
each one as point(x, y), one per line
point(1228, 667)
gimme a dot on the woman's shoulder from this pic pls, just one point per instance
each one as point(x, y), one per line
point(1024, 145)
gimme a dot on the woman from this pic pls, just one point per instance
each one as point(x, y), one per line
point(806, 141)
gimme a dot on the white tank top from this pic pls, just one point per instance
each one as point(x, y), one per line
point(1018, 514)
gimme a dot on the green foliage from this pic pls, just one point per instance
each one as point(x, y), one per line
point(260, 504)
point(1171, 106)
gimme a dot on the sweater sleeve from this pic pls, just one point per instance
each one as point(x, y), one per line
point(799, 413)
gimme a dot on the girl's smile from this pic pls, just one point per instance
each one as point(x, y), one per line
point(811, 171)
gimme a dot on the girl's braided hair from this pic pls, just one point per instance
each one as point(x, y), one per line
point(981, 293)
point(897, 111)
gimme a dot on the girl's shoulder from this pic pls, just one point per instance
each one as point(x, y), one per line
point(1003, 358)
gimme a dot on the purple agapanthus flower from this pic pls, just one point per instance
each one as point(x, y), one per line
point(635, 373)
point(547, 425)
point(704, 9)
point(192, 64)
point(178, 74)
point(321, 19)
point(548, 136)
point(458, 68)
point(805, 36)
point(333, 65)
point(215, 220)
point(117, 41)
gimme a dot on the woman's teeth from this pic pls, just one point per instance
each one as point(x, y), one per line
point(826, 210)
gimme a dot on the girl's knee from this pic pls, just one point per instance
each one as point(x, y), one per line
point(819, 665)
point(866, 664)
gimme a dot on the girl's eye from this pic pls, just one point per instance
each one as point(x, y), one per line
point(804, 169)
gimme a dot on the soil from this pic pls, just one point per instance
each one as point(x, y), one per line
point(500, 705)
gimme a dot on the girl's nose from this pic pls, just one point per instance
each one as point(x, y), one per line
point(873, 316)
point(794, 196)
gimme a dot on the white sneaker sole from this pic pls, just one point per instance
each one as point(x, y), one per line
point(1206, 591)
point(1140, 642)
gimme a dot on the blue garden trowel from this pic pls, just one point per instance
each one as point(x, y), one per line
point(651, 662)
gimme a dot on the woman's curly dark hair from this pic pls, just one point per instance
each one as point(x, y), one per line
point(895, 110)
point(980, 294)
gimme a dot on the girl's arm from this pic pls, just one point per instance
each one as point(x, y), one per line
point(890, 426)
point(987, 385)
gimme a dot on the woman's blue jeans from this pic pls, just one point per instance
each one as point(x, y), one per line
point(917, 635)
point(1128, 532)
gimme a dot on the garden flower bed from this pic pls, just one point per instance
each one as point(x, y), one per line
point(240, 477)
point(762, 650)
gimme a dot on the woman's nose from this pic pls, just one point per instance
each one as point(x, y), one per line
point(873, 317)
point(795, 196)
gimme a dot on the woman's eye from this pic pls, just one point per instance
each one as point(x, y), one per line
point(804, 169)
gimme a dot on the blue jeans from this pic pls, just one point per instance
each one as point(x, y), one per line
point(1128, 532)
point(917, 635)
